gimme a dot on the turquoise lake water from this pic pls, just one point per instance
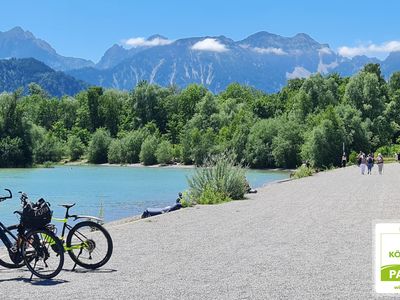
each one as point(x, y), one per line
point(121, 191)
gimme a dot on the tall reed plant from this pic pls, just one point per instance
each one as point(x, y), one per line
point(220, 179)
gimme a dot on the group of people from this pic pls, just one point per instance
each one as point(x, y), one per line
point(367, 162)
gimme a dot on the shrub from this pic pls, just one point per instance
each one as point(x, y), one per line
point(258, 151)
point(132, 144)
point(302, 171)
point(115, 152)
point(164, 152)
point(46, 147)
point(177, 152)
point(220, 179)
point(353, 157)
point(212, 196)
point(148, 151)
point(10, 151)
point(75, 147)
point(388, 150)
point(98, 146)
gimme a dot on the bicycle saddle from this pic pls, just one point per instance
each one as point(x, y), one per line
point(67, 205)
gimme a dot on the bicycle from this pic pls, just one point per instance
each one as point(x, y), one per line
point(30, 247)
point(85, 241)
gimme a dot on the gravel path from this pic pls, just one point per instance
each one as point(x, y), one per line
point(302, 239)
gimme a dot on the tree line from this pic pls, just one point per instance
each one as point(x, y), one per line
point(309, 119)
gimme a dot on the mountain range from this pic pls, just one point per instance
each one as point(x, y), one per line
point(263, 60)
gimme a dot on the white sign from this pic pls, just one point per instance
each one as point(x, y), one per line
point(387, 258)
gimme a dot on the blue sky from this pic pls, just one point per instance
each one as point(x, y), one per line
point(87, 28)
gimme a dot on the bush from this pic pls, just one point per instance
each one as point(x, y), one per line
point(177, 153)
point(132, 144)
point(220, 179)
point(164, 153)
point(148, 151)
point(11, 151)
point(323, 144)
point(98, 146)
point(258, 151)
point(212, 196)
point(388, 150)
point(302, 171)
point(75, 147)
point(46, 147)
point(353, 157)
point(115, 152)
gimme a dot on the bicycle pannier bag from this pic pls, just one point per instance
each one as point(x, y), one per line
point(36, 215)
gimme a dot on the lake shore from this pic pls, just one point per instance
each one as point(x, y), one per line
point(177, 165)
point(309, 238)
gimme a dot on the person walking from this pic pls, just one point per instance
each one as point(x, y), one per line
point(379, 162)
point(370, 163)
point(363, 163)
point(344, 160)
point(359, 158)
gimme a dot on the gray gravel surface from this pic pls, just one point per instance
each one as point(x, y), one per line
point(303, 239)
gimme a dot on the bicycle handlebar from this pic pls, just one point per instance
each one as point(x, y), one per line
point(23, 198)
point(6, 197)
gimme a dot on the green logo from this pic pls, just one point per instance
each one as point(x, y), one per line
point(390, 273)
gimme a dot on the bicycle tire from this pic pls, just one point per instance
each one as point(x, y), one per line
point(5, 258)
point(41, 245)
point(86, 237)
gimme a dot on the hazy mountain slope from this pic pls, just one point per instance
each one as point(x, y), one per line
point(16, 73)
point(23, 44)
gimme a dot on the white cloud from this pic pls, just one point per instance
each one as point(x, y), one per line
point(142, 42)
point(370, 49)
point(298, 72)
point(296, 52)
point(324, 68)
point(211, 45)
point(325, 50)
point(270, 50)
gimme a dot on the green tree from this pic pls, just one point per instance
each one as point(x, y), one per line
point(148, 151)
point(286, 145)
point(116, 152)
point(46, 146)
point(132, 144)
point(110, 108)
point(15, 133)
point(11, 153)
point(67, 112)
point(364, 92)
point(75, 147)
point(188, 99)
point(258, 151)
point(323, 144)
point(98, 146)
point(164, 152)
point(93, 95)
point(148, 106)
point(394, 82)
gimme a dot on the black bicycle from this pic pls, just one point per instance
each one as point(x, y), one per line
point(39, 249)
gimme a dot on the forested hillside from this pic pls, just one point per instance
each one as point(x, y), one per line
point(19, 73)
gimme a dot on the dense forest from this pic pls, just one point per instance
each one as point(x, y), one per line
point(309, 119)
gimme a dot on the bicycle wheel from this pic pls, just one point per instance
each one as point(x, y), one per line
point(89, 245)
point(11, 258)
point(43, 253)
